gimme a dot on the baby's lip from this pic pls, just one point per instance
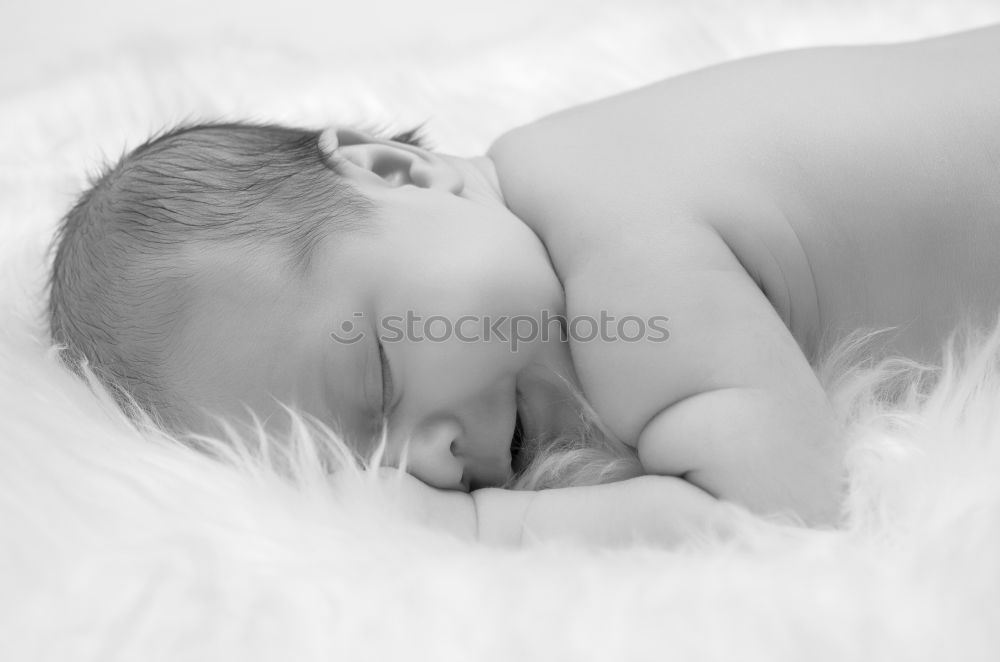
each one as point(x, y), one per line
point(535, 415)
point(517, 443)
point(495, 476)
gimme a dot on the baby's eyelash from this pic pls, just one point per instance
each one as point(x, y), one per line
point(386, 378)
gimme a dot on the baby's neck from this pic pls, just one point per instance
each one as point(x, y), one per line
point(480, 175)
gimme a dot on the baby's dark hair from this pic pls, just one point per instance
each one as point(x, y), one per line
point(117, 268)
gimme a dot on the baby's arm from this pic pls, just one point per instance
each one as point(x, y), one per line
point(661, 510)
point(729, 402)
point(746, 418)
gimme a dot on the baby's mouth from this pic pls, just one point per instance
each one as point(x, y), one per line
point(516, 445)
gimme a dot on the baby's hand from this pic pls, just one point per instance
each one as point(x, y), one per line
point(658, 510)
point(446, 510)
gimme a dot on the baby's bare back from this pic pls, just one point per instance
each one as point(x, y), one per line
point(886, 164)
point(858, 186)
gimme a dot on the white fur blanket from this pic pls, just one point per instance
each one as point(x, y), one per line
point(117, 547)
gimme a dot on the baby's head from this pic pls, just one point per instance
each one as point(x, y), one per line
point(232, 268)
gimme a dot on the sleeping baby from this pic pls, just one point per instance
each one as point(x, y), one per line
point(616, 310)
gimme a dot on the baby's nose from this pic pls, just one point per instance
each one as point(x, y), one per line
point(445, 455)
point(432, 455)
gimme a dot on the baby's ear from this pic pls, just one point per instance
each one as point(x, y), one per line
point(375, 161)
point(328, 142)
point(334, 137)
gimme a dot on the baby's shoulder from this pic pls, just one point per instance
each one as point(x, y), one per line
point(611, 211)
point(586, 201)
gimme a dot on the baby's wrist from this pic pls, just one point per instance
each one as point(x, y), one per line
point(500, 515)
point(443, 510)
point(452, 511)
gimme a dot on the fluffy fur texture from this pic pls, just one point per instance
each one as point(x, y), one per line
point(123, 546)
